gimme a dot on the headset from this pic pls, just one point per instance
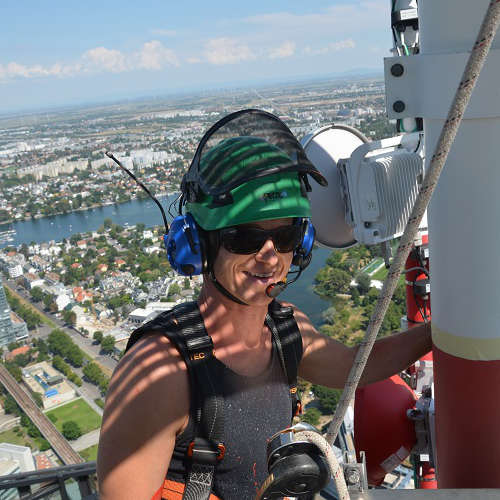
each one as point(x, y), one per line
point(186, 245)
point(189, 251)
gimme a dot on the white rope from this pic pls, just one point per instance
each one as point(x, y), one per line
point(471, 73)
point(335, 469)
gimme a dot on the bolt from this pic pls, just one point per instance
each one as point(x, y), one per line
point(352, 476)
point(397, 70)
point(399, 106)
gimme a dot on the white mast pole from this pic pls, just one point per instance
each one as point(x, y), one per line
point(464, 235)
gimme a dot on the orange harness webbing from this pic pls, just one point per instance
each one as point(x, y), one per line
point(172, 490)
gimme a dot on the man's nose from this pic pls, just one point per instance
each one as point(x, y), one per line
point(267, 251)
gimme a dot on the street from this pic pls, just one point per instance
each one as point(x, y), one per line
point(86, 344)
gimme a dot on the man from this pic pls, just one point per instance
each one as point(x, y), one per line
point(247, 222)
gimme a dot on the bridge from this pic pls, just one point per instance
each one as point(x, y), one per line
point(57, 441)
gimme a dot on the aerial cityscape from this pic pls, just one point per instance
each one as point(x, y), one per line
point(79, 275)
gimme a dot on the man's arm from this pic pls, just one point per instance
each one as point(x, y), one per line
point(146, 407)
point(327, 362)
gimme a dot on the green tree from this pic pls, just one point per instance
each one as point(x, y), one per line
point(355, 296)
point(36, 294)
point(108, 344)
point(93, 373)
point(98, 335)
point(311, 416)
point(37, 398)
point(22, 359)
point(13, 345)
point(71, 430)
point(48, 300)
point(331, 281)
point(69, 317)
point(329, 315)
point(33, 430)
point(10, 405)
point(173, 289)
point(14, 370)
point(328, 398)
point(44, 445)
point(364, 281)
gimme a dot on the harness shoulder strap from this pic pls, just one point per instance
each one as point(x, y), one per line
point(184, 326)
point(288, 340)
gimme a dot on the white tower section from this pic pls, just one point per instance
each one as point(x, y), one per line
point(464, 237)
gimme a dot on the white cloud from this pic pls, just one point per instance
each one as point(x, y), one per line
point(286, 49)
point(331, 47)
point(103, 59)
point(16, 70)
point(152, 56)
point(155, 56)
point(220, 51)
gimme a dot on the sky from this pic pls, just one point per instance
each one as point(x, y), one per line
point(58, 53)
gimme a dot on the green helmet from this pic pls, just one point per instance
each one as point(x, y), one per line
point(247, 179)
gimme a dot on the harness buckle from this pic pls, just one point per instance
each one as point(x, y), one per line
point(204, 451)
point(298, 408)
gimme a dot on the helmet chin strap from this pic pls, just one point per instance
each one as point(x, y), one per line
point(222, 290)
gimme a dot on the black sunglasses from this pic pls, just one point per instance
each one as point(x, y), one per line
point(247, 239)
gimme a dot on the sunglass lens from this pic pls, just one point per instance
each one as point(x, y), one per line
point(247, 240)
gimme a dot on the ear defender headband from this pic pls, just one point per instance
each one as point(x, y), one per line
point(186, 246)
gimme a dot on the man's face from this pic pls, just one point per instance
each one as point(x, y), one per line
point(248, 276)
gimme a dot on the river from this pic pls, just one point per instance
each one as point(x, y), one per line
point(58, 227)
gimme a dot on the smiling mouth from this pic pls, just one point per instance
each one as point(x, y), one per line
point(262, 277)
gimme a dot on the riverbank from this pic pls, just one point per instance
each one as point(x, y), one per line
point(84, 209)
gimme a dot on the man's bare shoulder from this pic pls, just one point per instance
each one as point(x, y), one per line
point(146, 407)
point(151, 369)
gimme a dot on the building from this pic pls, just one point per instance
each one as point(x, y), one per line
point(7, 331)
point(32, 280)
point(19, 327)
point(49, 383)
point(21, 454)
point(8, 467)
point(15, 352)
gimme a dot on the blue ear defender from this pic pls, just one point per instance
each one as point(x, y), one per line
point(184, 246)
point(303, 254)
point(185, 249)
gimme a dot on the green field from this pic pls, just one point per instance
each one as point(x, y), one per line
point(78, 411)
point(23, 440)
point(372, 265)
point(380, 274)
point(89, 454)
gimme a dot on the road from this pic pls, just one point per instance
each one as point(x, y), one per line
point(88, 391)
point(58, 443)
point(107, 363)
point(86, 441)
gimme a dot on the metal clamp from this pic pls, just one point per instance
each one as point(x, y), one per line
point(355, 473)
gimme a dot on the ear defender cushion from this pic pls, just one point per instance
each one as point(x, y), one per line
point(302, 256)
point(184, 246)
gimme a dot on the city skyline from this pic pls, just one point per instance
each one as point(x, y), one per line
point(60, 55)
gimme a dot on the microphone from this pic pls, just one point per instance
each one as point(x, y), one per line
point(274, 289)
